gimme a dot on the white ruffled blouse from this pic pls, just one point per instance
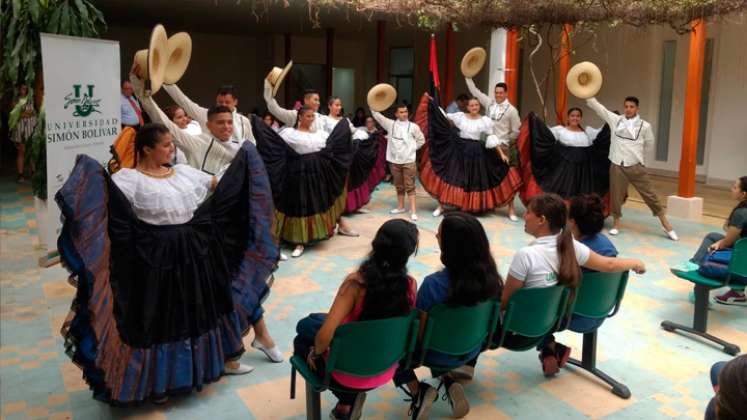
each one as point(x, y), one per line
point(164, 201)
point(474, 129)
point(304, 142)
point(575, 138)
point(329, 123)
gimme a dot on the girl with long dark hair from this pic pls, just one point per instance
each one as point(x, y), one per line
point(470, 276)
point(380, 288)
point(735, 228)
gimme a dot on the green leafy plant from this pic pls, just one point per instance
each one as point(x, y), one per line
point(21, 22)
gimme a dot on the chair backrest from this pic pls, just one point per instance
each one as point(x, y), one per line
point(534, 312)
point(599, 294)
point(458, 330)
point(738, 262)
point(368, 348)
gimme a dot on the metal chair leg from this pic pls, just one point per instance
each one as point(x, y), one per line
point(700, 322)
point(313, 404)
point(589, 362)
point(293, 383)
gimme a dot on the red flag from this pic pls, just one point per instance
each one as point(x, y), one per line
point(433, 68)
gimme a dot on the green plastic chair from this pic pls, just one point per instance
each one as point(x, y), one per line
point(599, 296)
point(458, 330)
point(533, 313)
point(364, 348)
point(703, 285)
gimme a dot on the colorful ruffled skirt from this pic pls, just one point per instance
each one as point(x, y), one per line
point(366, 171)
point(462, 172)
point(548, 166)
point(160, 309)
point(309, 190)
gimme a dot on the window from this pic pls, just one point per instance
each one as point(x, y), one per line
point(705, 93)
point(401, 68)
point(665, 100)
point(307, 76)
point(343, 86)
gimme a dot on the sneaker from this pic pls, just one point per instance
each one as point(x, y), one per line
point(351, 233)
point(160, 400)
point(463, 373)
point(439, 211)
point(283, 256)
point(457, 399)
point(513, 218)
point(297, 252)
point(413, 217)
point(273, 353)
point(562, 354)
point(421, 404)
point(242, 369)
point(672, 235)
point(20, 179)
point(549, 362)
point(614, 231)
point(732, 297)
point(397, 211)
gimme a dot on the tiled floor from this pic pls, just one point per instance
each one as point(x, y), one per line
point(666, 373)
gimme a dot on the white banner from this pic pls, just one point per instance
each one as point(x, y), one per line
point(82, 103)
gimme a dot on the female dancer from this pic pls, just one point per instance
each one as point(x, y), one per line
point(308, 171)
point(169, 279)
point(461, 166)
point(566, 160)
point(506, 124)
point(367, 168)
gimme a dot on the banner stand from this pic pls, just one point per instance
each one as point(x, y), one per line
point(82, 102)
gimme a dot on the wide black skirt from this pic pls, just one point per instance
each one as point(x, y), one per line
point(549, 166)
point(309, 190)
point(462, 172)
point(159, 309)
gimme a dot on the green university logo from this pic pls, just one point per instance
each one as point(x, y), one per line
point(85, 104)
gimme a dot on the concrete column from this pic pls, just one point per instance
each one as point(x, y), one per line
point(685, 204)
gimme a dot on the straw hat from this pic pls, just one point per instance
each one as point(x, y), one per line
point(473, 61)
point(584, 80)
point(180, 51)
point(152, 62)
point(276, 76)
point(381, 97)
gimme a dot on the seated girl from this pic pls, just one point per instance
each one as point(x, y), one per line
point(552, 259)
point(736, 228)
point(585, 221)
point(470, 276)
point(380, 288)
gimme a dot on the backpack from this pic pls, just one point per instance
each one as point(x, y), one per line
point(123, 151)
point(716, 266)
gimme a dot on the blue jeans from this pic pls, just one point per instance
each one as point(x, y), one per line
point(307, 328)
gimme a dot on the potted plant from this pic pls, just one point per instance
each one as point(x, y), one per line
point(21, 22)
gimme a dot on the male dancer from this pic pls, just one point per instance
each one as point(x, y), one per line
point(630, 136)
point(226, 96)
point(506, 124)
